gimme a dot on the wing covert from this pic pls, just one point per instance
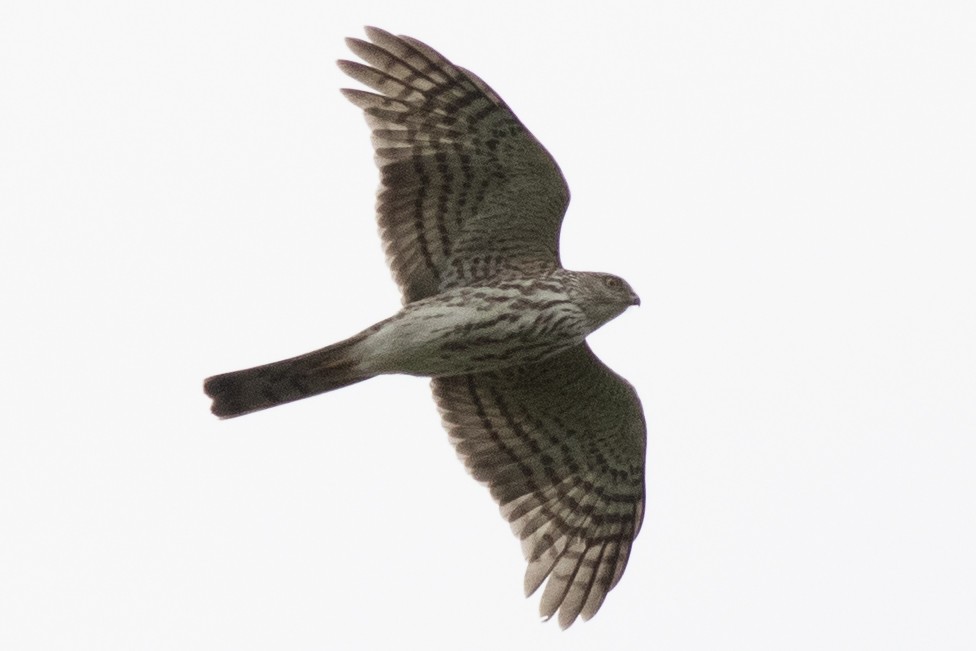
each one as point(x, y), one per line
point(466, 190)
point(561, 445)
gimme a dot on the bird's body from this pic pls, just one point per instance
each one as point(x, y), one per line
point(470, 329)
point(470, 211)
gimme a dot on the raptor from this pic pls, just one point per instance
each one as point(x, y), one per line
point(469, 209)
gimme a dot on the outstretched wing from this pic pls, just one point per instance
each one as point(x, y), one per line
point(466, 190)
point(561, 445)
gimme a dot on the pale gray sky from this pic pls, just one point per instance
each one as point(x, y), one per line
point(789, 186)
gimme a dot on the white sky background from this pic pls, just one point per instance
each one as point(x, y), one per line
point(788, 185)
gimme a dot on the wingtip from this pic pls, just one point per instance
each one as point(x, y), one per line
point(356, 44)
point(374, 32)
point(566, 619)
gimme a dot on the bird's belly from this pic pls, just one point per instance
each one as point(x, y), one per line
point(474, 333)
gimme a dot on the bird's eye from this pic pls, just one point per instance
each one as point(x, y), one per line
point(611, 282)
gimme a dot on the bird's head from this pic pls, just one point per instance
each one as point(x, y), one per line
point(605, 297)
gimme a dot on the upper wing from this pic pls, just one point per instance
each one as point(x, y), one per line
point(561, 445)
point(465, 188)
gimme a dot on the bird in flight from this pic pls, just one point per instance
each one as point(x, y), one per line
point(469, 209)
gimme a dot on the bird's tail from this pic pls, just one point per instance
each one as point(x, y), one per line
point(241, 392)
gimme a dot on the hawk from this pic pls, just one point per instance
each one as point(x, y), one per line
point(469, 209)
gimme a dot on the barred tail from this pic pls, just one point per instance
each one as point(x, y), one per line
point(241, 392)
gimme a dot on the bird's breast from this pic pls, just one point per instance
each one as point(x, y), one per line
point(475, 329)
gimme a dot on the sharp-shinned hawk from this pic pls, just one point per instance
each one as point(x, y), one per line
point(469, 209)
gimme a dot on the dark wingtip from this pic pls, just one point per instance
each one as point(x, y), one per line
point(375, 32)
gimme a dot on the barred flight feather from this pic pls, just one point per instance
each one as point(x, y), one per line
point(469, 209)
point(573, 500)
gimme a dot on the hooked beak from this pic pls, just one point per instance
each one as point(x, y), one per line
point(636, 300)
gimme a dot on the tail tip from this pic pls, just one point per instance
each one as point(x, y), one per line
point(226, 400)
